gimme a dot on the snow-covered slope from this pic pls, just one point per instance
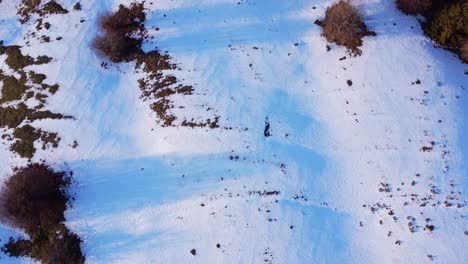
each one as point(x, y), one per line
point(307, 194)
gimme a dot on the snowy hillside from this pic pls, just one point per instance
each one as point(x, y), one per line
point(352, 172)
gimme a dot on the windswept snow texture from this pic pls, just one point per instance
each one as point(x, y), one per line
point(309, 193)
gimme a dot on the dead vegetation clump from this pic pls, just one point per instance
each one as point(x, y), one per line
point(77, 6)
point(19, 88)
point(26, 8)
point(121, 39)
point(344, 25)
point(35, 199)
point(26, 136)
point(13, 88)
point(30, 7)
point(13, 116)
point(158, 87)
point(17, 61)
point(52, 7)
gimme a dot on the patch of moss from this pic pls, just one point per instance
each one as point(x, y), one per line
point(17, 61)
point(53, 88)
point(27, 135)
point(37, 78)
point(42, 60)
point(37, 115)
point(41, 97)
point(29, 95)
point(25, 138)
point(13, 88)
point(50, 140)
point(13, 116)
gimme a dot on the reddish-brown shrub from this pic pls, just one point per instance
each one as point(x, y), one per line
point(121, 33)
point(344, 25)
point(413, 7)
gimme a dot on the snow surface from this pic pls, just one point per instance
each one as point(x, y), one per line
point(140, 188)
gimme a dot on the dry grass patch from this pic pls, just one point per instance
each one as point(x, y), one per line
point(344, 25)
point(16, 91)
point(122, 34)
point(40, 7)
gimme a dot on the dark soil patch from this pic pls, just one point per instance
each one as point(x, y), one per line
point(34, 199)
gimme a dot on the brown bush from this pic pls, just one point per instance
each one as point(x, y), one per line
point(35, 199)
point(464, 51)
point(121, 33)
point(413, 7)
point(48, 246)
point(344, 25)
point(35, 196)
